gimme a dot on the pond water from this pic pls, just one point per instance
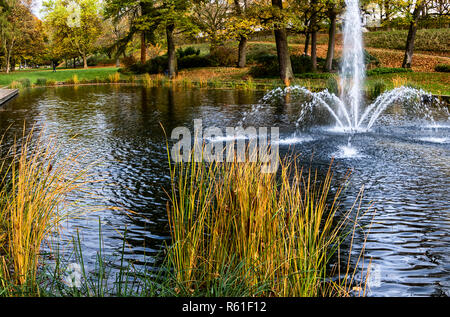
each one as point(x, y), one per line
point(404, 167)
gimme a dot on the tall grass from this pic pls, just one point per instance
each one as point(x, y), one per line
point(34, 185)
point(263, 234)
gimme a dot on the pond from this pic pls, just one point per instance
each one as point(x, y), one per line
point(404, 168)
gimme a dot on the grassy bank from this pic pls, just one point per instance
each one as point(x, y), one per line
point(213, 77)
point(61, 75)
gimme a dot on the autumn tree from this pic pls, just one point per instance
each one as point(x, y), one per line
point(17, 28)
point(77, 21)
point(211, 17)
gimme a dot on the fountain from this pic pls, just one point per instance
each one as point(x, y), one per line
point(348, 109)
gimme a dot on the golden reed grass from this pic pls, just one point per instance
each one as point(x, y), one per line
point(277, 231)
point(34, 185)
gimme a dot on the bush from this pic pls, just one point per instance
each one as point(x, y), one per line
point(377, 89)
point(387, 70)
point(223, 56)
point(41, 81)
point(370, 60)
point(301, 64)
point(332, 85)
point(160, 64)
point(442, 68)
point(25, 82)
point(315, 75)
point(267, 65)
point(188, 51)
point(192, 61)
point(128, 61)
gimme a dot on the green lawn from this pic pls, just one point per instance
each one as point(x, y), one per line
point(436, 83)
point(60, 75)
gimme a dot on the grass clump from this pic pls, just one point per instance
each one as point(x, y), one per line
point(34, 185)
point(377, 88)
point(274, 235)
point(442, 68)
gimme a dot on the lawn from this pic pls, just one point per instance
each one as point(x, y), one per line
point(60, 75)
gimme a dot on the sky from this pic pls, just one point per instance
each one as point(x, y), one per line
point(37, 5)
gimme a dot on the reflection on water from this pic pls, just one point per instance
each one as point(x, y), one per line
point(405, 170)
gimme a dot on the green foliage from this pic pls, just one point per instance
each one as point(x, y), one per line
point(25, 82)
point(301, 64)
point(332, 85)
point(267, 66)
point(387, 70)
point(223, 56)
point(41, 81)
point(73, 28)
point(188, 51)
point(193, 61)
point(99, 59)
point(377, 88)
point(370, 60)
point(442, 68)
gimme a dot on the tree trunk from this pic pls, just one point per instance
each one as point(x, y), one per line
point(171, 51)
point(314, 49)
point(242, 58)
point(284, 59)
point(117, 61)
point(331, 40)
point(143, 48)
point(242, 51)
point(74, 63)
point(85, 65)
point(305, 52)
point(7, 63)
point(407, 60)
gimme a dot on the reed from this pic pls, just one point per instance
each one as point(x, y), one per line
point(276, 232)
point(34, 185)
point(147, 81)
point(399, 81)
point(114, 78)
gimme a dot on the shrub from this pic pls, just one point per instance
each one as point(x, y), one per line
point(192, 61)
point(223, 56)
point(443, 68)
point(370, 60)
point(387, 70)
point(128, 61)
point(377, 89)
point(301, 64)
point(25, 82)
point(315, 75)
point(332, 85)
point(267, 66)
point(188, 51)
point(41, 81)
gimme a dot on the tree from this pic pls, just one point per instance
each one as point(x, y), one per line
point(284, 58)
point(212, 20)
point(332, 11)
point(77, 22)
point(17, 26)
point(407, 59)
